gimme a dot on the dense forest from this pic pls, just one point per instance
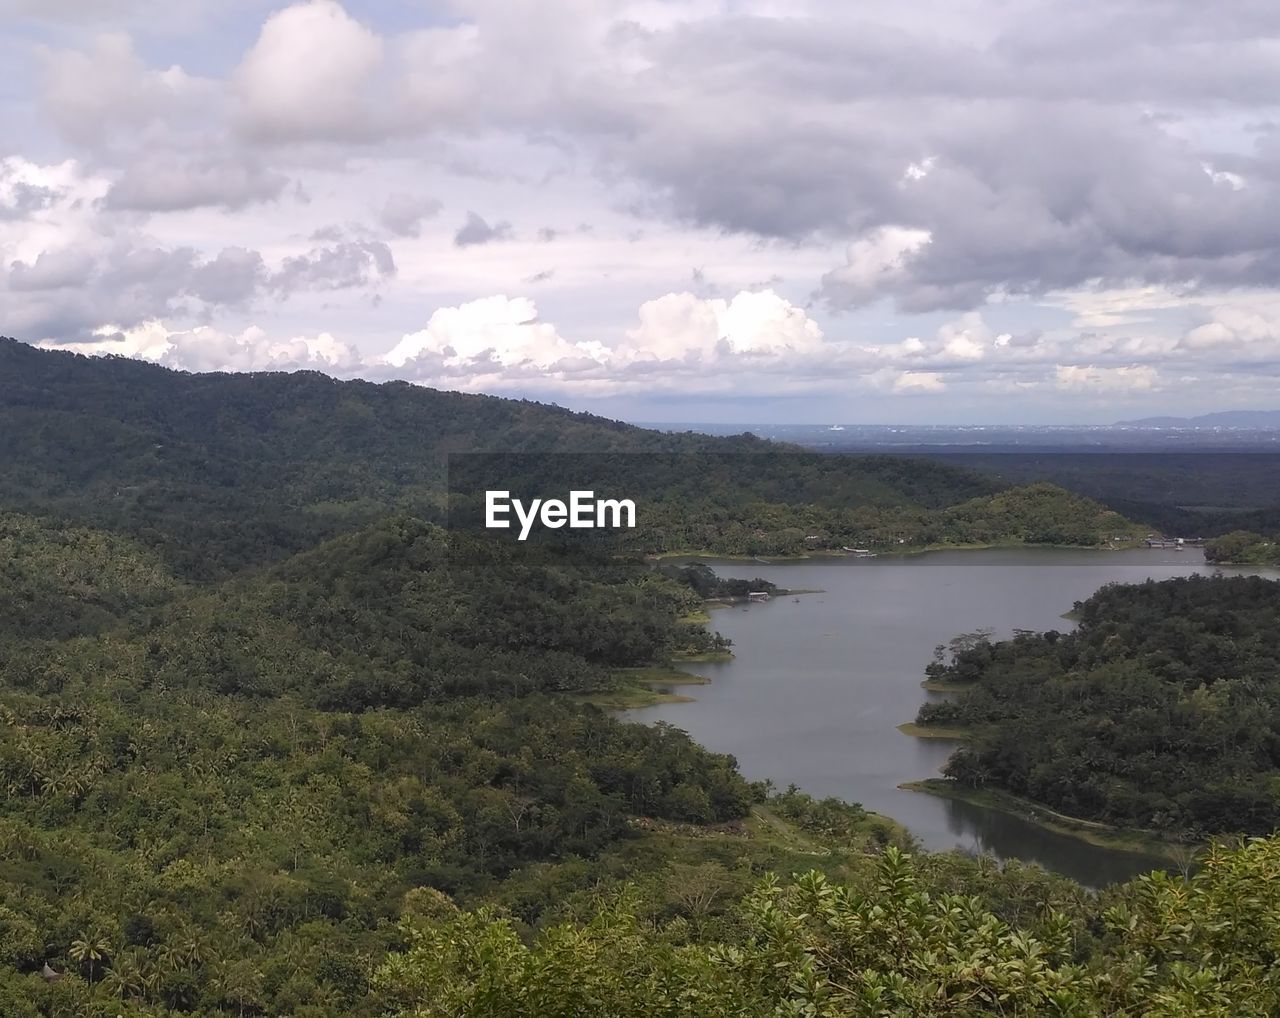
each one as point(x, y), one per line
point(1178, 492)
point(890, 946)
point(1240, 547)
point(275, 741)
point(1161, 710)
point(221, 473)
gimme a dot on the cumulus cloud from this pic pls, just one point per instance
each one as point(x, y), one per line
point(97, 95)
point(1237, 330)
point(67, 266)
point(1088, 377)
point(208, 349)
point(232, 278)
point(166, 183)
point(477, 231)
point(919, 381)
point(681, 341)
point(875, 265)
point(992, 194)
point(684, 327)
point(310, 76)
point(346, 264)
point(495, 339)
point(52, 270)
point(403, 214)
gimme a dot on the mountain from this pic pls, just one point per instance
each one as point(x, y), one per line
point(267, 733)
point(217, 472)
point(1258, 419)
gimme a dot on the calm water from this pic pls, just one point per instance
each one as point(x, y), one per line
point(819, 684)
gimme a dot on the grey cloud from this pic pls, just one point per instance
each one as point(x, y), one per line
point(476, 231)
point(341, 266)
point(403, 214)
point(332, 232)
point(52, 270)
point(1039, 145)
point(107, 95)
point(233, 277)
point(1051, 153)
point(26, 199)
point(166, 184)
point(65, 295)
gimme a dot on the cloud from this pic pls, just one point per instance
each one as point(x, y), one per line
point(684, 327)
point(403, 214)
point(21, 199)
point(208, 349)
point(476, 231)
point(1237, 334)
point(232, 278)
point(1087, 377)
point(495, 336)
point(166, 183)
point(98, 96)
point(310, 77)
point(974, 195)
point(919, 381)
point(342, 265)
point(875, 266)
point(681, 341)
point(52, 270)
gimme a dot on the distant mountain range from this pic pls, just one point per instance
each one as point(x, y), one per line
point(1226, 419)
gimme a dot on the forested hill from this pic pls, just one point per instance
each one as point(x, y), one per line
point(248, 466)
point(1160, 711)
point(265, 730)
point(219, 472)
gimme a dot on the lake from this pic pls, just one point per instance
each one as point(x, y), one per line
point(819, 682)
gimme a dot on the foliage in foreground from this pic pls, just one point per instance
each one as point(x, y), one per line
point(1164, 948)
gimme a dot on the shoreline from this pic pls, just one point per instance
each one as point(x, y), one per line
point(935, 686)
point(1174, 853)
point(642, 687)
point(1093, 832)
point(889, 552)
point(916, 731)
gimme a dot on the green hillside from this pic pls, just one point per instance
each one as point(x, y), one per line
point(274, 743)
point(1159, 711)
point(219, 473)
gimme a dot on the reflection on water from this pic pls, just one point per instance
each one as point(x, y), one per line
point(819, 684)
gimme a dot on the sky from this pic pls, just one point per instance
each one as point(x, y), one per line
point(943, 211)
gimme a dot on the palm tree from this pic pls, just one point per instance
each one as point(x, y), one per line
point(239, 983)
point(89, 949)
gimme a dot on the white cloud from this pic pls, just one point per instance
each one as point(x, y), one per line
point(1088, 377)
point(52, 270)
point(873, 265)
point(403, 214)
point(968, 339)
point(682, 326)
point(682, 341)
point(207, 349)
point(489, 335)
point(919, 381)
point(1112, 227)
point(99, 94)
point(162, 182)
point(1237, 327)
point(309, 76)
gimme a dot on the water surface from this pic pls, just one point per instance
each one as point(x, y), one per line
point(819, 683)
